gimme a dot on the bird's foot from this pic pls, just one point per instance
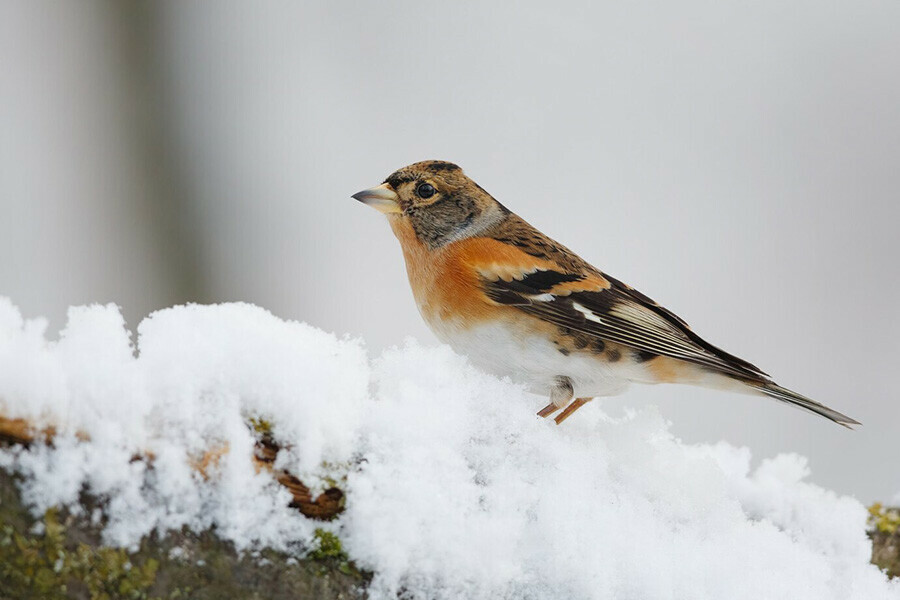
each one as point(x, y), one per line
point(575, 405)
point(560, 394)
point(548, 410)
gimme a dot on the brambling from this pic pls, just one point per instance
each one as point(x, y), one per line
point(521, 305)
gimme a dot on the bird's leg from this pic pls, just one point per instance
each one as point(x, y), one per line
point(560, 395)
point(548, 410)
point(576, 404)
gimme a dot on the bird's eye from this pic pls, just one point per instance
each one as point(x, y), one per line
point(425, 190)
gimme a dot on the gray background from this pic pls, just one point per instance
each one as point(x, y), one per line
point(736, 161)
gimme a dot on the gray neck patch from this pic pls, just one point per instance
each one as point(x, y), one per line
point(452, 219)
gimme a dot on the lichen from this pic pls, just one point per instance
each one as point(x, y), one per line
point(261, 426)
point(885, 520)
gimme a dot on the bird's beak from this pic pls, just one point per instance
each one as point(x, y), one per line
point(382, 198)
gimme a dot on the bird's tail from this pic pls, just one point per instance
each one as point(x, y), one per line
point(773, 390)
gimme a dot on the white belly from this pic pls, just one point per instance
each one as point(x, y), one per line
point(534, 361)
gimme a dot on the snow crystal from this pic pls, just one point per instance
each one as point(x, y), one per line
point(455, 488)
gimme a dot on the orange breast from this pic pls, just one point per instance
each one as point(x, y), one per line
point(446, 281)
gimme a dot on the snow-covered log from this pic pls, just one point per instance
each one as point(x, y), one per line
point(450, 486)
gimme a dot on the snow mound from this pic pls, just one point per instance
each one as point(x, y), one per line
point(455, 488)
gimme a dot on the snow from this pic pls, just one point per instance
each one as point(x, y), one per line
point(455, 488)
point(201, 373)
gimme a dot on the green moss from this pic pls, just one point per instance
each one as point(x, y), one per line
point(328, 552)
point(43, 566)
point(885, 520)
point(67, 560)
point(327, 545)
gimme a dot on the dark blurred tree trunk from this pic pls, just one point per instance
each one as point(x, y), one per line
point(166, 208)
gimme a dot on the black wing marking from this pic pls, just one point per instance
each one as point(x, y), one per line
point(543, 281)
point(619, 314)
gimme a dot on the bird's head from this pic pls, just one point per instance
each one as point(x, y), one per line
point(437, 200)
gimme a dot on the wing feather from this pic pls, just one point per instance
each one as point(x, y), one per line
point(548, 281)
point(618, 314)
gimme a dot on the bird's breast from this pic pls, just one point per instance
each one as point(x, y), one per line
point(446, 288)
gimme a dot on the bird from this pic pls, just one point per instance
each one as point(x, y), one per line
point(521, 305)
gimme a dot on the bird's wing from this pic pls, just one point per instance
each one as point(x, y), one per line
point(592, 303)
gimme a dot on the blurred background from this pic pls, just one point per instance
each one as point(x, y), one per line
point(739, 162)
